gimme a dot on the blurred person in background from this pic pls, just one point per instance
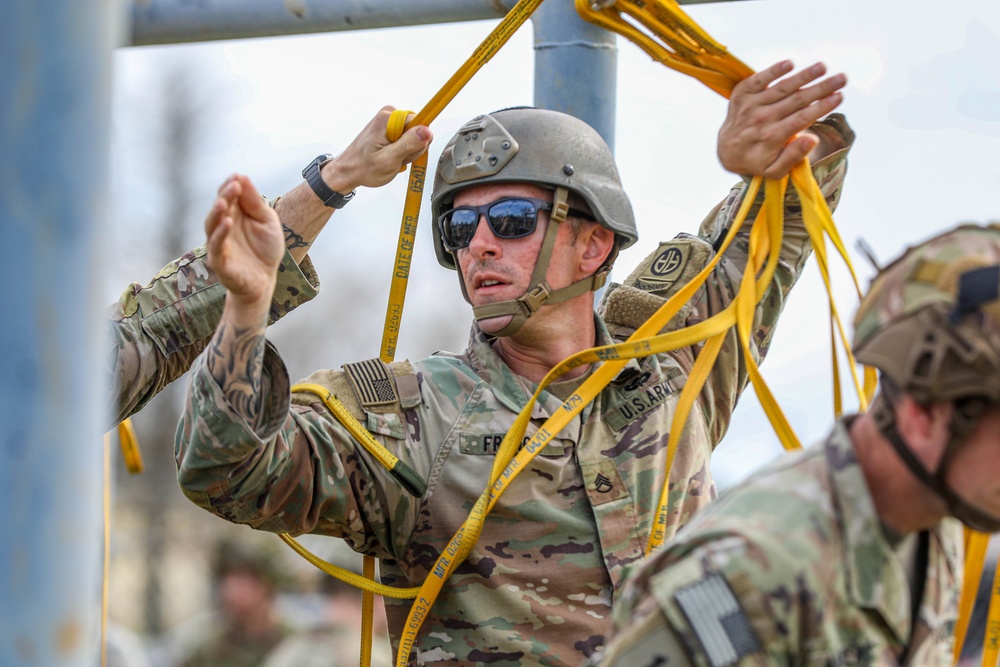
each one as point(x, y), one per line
point(245, 624)
point(335, 638)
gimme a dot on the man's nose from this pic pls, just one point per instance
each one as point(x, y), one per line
point(483, 240)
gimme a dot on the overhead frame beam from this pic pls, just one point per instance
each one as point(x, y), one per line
point(179, 21)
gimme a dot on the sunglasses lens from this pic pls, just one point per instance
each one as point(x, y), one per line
point(458, 226)
point(513, 218)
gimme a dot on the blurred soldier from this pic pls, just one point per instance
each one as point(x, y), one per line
point(335, 639)
point(844, 554)
point(158, 329)
point(246, 624)
point(530, 212)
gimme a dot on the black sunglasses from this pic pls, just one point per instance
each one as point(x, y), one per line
point(509, 218)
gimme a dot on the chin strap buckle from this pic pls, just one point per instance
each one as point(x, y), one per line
point(536, 298)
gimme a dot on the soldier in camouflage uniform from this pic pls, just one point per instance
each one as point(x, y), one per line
point(158, 329)
point(844, 554)
point(538, 586)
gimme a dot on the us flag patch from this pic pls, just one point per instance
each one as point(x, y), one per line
point(718, 620)
point(372, 383)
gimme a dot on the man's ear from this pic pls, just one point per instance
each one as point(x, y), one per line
point(925, 428)
point(598, 242)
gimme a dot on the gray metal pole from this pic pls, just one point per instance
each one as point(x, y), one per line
point(575, 66)
point(175, 21)
point(55, 92)
point(172, 21)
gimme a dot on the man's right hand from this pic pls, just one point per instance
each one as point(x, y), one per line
point(245, 243)
point(371, 160)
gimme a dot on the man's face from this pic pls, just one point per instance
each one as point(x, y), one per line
point(496, 269)
point(974, 473)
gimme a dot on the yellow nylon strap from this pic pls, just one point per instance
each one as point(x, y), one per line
point(130, 447)
point(133, 463)
point(347, 576)
point(682, 45)
point(819, 223)
point(506, 466)
point(499, 36)
point(763, 254)
point(669, 36)
point(405, 244)
point(411, 211)
point(976, 544)
point(391, 463)
point(991, 639)
point(106, 574)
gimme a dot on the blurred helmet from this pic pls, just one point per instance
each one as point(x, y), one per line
point(253, 555)
point(539, 146)
point(931, 319)
point(931, 324)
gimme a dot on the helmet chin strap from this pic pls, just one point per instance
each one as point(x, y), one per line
point(539, 293)
point(964, 420)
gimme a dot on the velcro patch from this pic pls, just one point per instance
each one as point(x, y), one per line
point(718, 620)
point(673, 264)
point(372, 383)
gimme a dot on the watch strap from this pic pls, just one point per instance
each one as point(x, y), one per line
point(314, 178)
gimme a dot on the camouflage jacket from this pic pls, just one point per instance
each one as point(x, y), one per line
point(538, 586)
point(790, 568)
point(158, 329)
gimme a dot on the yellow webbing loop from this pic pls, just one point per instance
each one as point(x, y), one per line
point(356, 580)
point(403, 474)
point(991, 639)
point(130, 447)
point(106, 574)
point(133, 463)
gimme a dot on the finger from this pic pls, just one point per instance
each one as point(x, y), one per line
point(229, 179)
point(805, 117)
point(805, 96)
point(413, 143)
point(756, 83)
point(792, 84)
point(216, 243)
point(251, 202)
point(214, 214)
point(796, 151)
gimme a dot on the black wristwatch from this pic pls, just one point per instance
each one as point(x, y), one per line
point(315, 180)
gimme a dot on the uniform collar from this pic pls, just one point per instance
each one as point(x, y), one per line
point(514, 391)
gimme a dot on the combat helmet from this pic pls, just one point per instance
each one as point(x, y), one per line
point(545, 148)
point(931, 324)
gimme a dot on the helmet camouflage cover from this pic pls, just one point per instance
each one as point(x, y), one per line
point(539, 146)
point(931, 319)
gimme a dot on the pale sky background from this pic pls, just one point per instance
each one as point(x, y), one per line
point(923, 97)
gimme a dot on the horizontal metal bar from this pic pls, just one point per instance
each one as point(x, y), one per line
point(177, 21)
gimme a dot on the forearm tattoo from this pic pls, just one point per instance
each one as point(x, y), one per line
point(293, 240)
point(235, 358)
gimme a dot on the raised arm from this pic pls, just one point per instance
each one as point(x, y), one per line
point(158, 329)
point(245, 244)
point(771, 126)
